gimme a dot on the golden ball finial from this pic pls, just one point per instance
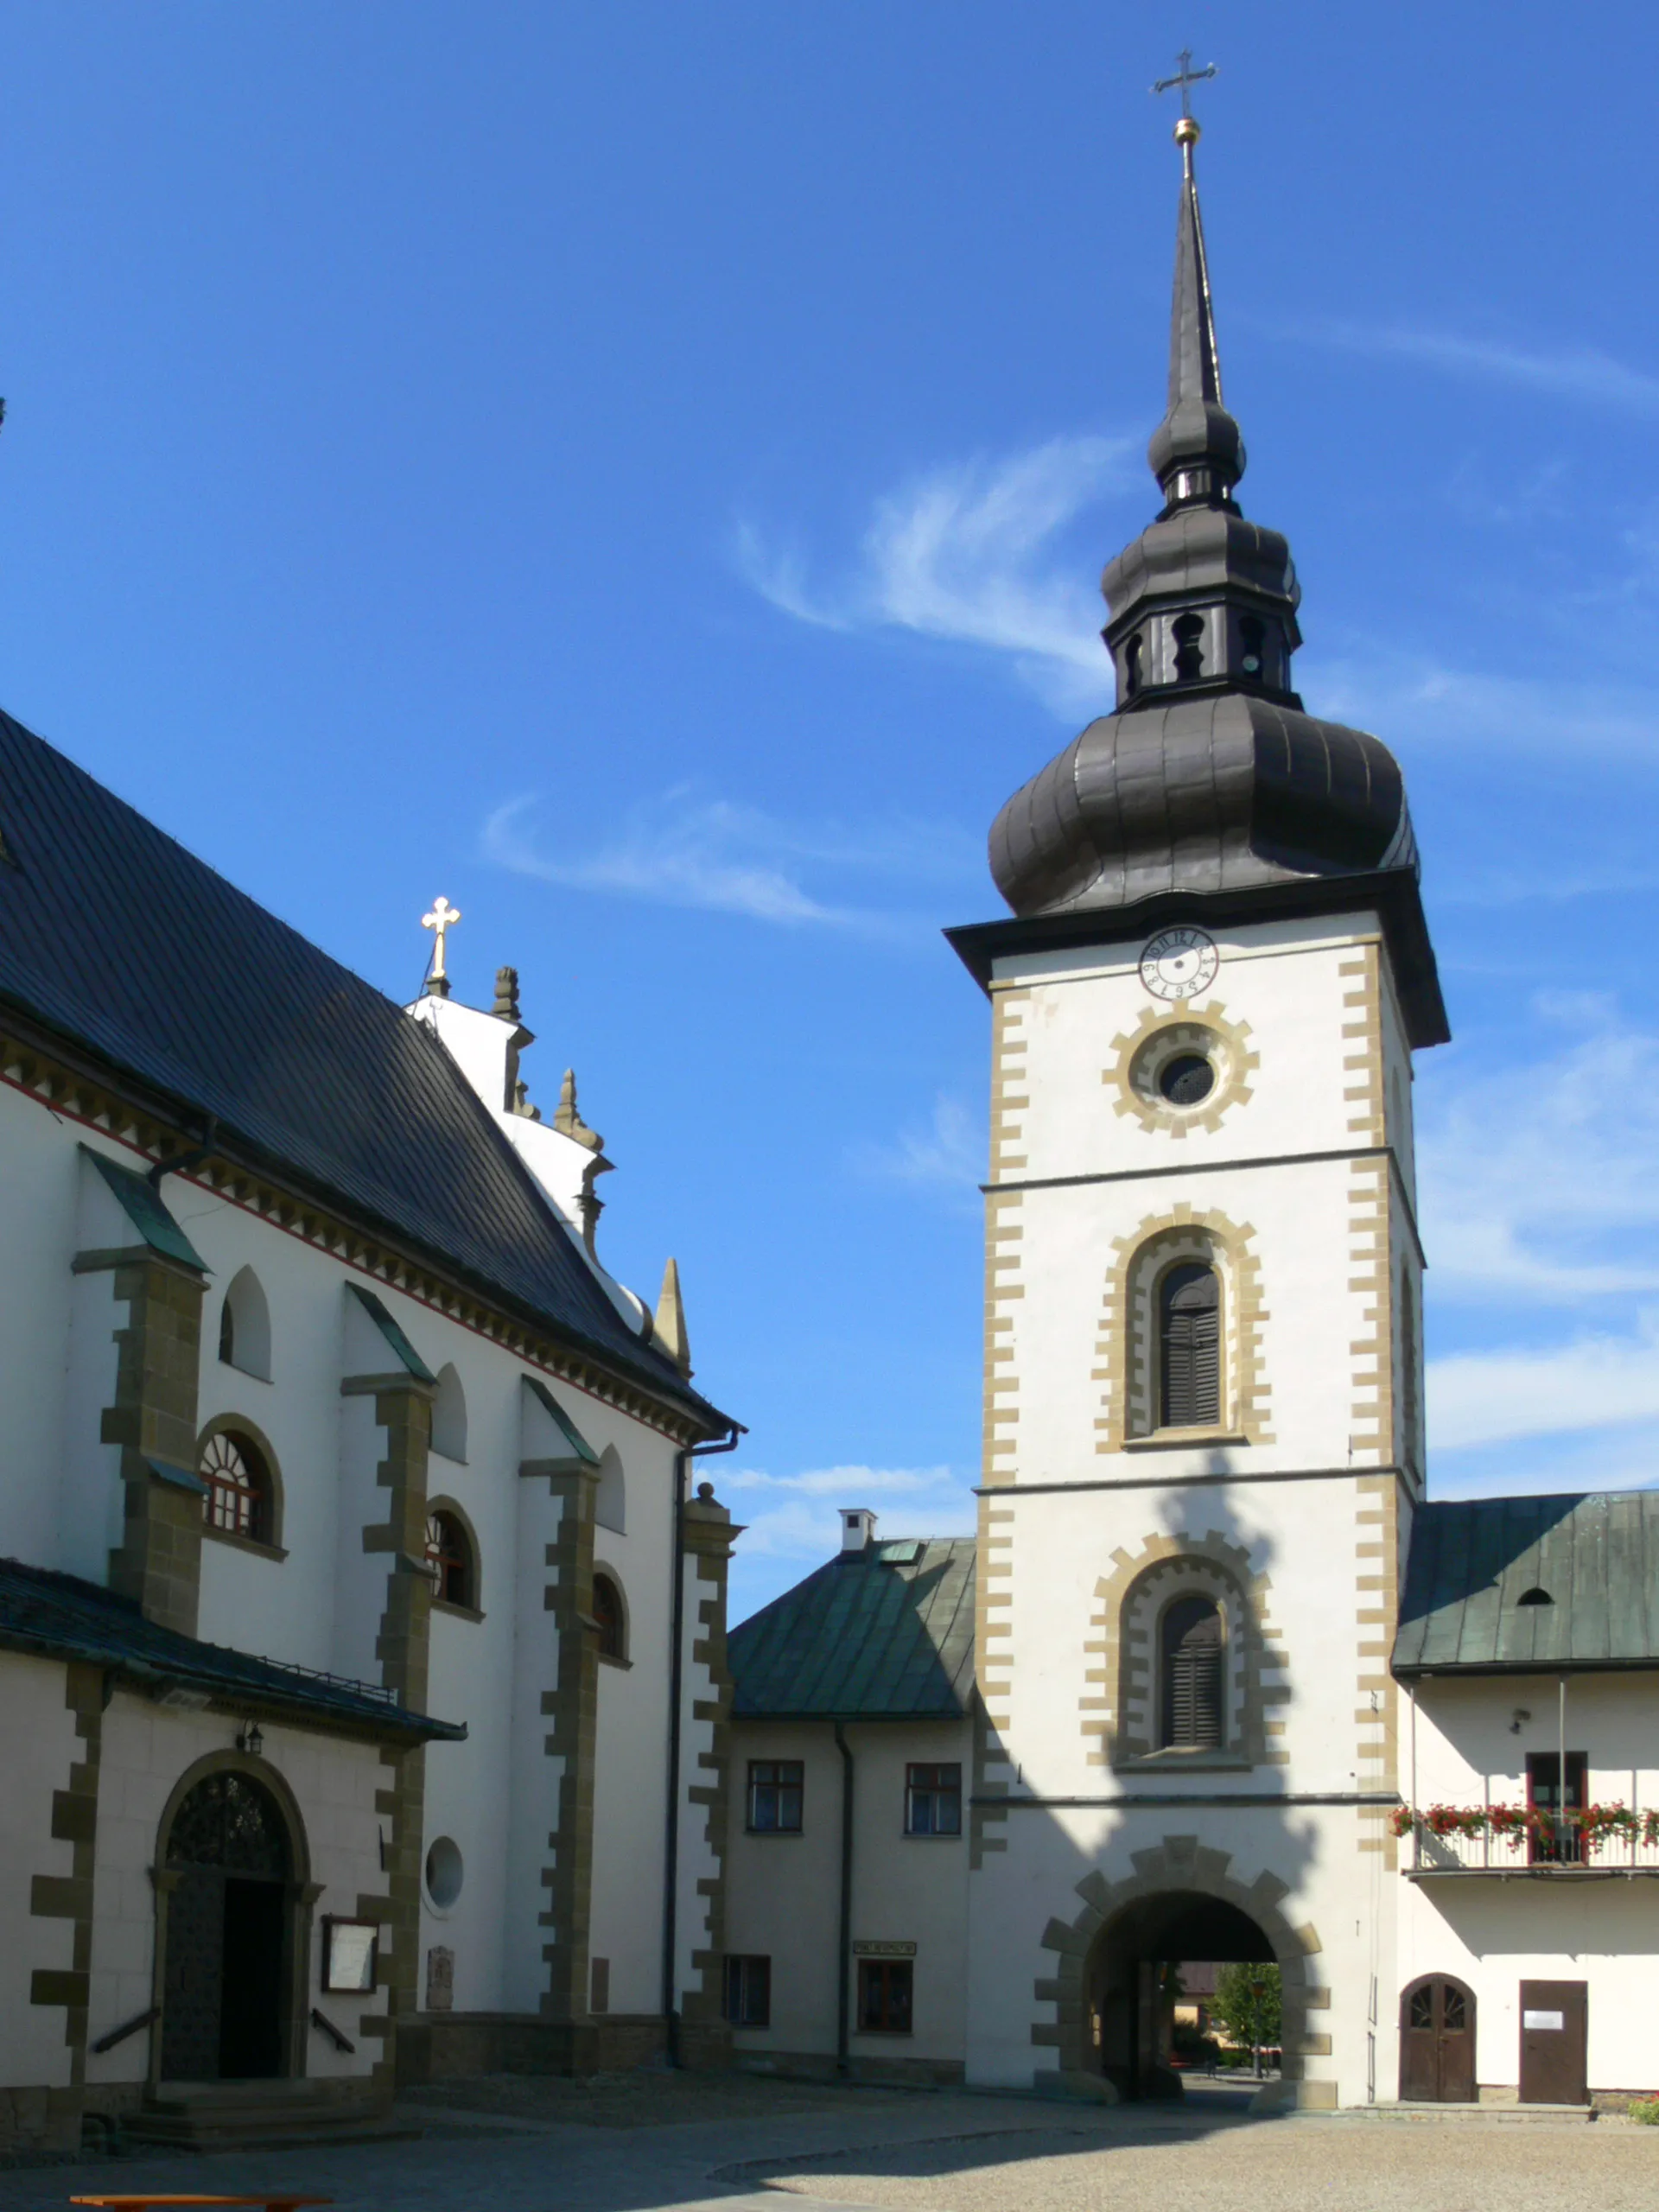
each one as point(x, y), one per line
point(1186, 131)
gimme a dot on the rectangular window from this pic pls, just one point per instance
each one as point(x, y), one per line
point(775, 1794)
point(884, 1993)
point(749, 1992)
point(1562, 1845)
point(933, 1800)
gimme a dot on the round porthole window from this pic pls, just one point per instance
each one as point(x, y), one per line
point(443, 1871)
point(1187, 1079)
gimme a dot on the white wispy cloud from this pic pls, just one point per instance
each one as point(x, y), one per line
point(684, 851)
point(947, 1156)
point(1581, 373)
point(1430, 701)
point(966, 554)
point(1541, 1181)
point(1592, 1382)
point(795, 1516)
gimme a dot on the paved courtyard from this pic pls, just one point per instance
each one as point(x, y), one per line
point(634, 2143)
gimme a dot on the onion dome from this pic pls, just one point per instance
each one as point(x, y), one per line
point(1209, 777)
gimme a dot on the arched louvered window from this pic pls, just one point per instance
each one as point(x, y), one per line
point(1189, 1346)
point(1192, 1719)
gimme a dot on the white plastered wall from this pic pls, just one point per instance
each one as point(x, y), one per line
point(1494, 1934)
point(784, 1892)
point(1279, 1172)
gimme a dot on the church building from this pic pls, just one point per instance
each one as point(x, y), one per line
point(1237, 1691)
point(361, 1616)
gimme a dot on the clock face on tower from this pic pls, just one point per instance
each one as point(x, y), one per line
point(1178, 963)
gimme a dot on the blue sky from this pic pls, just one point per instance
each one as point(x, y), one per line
point(642, 471)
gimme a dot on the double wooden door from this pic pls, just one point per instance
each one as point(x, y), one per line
point(1437, 2042)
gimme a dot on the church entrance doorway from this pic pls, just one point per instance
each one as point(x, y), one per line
point(1134, 1983)
point(229, 1933)
point(1437, 2042)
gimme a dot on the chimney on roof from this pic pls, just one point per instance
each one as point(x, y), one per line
point(857, 1530)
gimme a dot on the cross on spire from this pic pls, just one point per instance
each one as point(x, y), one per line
point(1185, 77)
point(443, 916)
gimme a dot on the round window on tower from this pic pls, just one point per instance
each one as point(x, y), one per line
point(1179, 1074)
point(1187, 1079)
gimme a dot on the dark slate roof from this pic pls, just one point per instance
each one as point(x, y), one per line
point(887, 1634)
point(230, 1012)
point(1596, 1557)
point(60, 1617)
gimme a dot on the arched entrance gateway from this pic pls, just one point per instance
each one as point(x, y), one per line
point(1183, 1900)
point(1132, 1971)
point(229, 1892)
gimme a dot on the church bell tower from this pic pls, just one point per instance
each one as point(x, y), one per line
point(1203, 1320)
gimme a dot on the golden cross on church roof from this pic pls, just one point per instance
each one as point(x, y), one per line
point(442, 917)
point(1185, 77)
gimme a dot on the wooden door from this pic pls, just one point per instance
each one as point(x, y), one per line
point(1555, 2024)
point(1437, 2042)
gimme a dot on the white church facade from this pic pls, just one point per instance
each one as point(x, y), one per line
point(360, 1623)
point(1238, 1691)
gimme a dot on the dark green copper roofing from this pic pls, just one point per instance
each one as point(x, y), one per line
point(885, 1634)
point(139, 1201)
point(305, 1068)
point(1594, 1558)
point(60, 1617)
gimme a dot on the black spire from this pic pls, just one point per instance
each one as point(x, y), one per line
point(1208, 779)
point(1196, 453)
point(1202, 599)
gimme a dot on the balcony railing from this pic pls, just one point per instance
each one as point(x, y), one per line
point(1530, 1840)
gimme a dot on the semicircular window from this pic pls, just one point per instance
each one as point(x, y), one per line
point(230, 1821)
point(1536, 1596)
point(237, 1502)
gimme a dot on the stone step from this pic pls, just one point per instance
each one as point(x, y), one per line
point(259, 2115)
point(1515, 2115)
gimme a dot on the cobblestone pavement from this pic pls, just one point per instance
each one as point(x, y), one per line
point(702, 2143)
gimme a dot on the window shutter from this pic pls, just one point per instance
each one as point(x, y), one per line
point(1189, 1348)
point(1193, 1717)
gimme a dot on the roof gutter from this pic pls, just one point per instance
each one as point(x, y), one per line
point(399, 1724)
point(683, 1459)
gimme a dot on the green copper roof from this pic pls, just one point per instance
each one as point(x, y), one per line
point(1518, 1585)
point(140, 1201)
point(885, 1634)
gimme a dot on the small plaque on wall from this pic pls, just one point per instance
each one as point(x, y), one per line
point(349, 1953)
point(884, 1950)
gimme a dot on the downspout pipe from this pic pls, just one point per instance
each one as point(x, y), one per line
point(683, 1459)
point(845, 1928)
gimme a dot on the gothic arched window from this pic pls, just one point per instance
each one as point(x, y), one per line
point(1191, 1639)
point(610, 1617)
point(244, 1326)
point(239, 1499)
point(450, 1559)
point(1189, 1348)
